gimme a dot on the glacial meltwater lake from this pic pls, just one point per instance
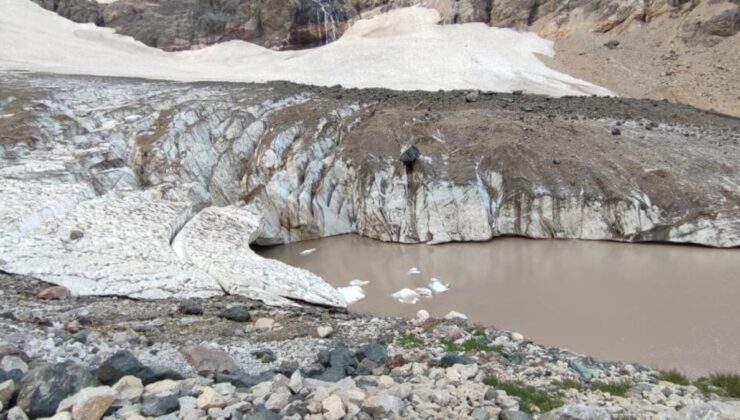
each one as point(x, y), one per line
point(664, 306)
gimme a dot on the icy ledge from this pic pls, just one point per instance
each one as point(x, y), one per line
point(154, 189)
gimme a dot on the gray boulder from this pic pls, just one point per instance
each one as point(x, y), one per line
point(42, 389)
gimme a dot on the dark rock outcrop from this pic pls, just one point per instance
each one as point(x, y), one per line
point(43, 388)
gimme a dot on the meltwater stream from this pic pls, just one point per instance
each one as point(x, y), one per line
point(659, 305)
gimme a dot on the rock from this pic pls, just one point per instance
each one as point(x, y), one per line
point(264, 355)
point(190, 307)
point(277, 401)
point(422, 315)
point(515, 415)
point(264, 324)
point(296, 382)
point(517, 337)
point(92, 403)
point(124, 363)
point(324, 331)
point(616, 131)
point(8, 350)
point(159, 405)
point(11, 363)
point(480, 414)
point(237, 314)
point(472, 96)
point(54, 293)
point(262, 413)
point(383, 404)
point(582, 370)
point(209, 399)
point(242, 380)
point(7, 392)
point(452, 315)
point(613, 44)
point(129, 388)
point(376, 352)
point(410, 154)
point(451, 359)
point(577, 412)
point(16, 413)
point(75, 235)
point(710, 410)
point(43, 388)
point(207, 361)
point(333, 407)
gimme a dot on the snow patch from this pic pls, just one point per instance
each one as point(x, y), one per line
point(403, 49)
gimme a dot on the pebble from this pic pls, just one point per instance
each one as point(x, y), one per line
point(324, 331)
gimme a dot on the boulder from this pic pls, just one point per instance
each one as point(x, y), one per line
point(377, 352)
point(238, 313)
point(410, 154)
point(43, 388)
point(89, 403)
point(333, 407)
point(207, 361)
point(129, 388)
point(515, 415)
point(124, 363)
point(324, 331)
point(16, 413)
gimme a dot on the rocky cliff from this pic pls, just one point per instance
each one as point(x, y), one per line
point(176, 24)
point(156, 189)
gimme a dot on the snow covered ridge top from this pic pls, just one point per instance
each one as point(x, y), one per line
point(404, 49)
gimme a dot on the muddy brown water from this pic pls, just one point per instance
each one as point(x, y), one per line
point(663, 306)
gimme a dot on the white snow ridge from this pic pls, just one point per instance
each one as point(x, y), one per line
point(403, 49)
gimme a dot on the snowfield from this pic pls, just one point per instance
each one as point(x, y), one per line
point(404, 49)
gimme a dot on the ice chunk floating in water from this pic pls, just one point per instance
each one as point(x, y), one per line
point(308, 251)
point(406, 295)
point(438, 287)
point(413, 271)
point(424, 292)
point(360, 283)
point(402, 49)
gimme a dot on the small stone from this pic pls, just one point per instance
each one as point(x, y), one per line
point(577, 411)
point(129, 388)
point(92, 403)
point(75, 235)
point(264, 355)
point(237, 314)
point(72, 327)
point(207, 361)
point(263, 324)
point(517, 92)
point(333, 407)
point(190, 307)
point(517, 337)
point(422, 316)
point(612, 44)
point(324, 331)
point(54, 293)
point(616, 131)
point(8, 350)
point(451, 359)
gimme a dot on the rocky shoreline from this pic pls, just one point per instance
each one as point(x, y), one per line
point(234, 358)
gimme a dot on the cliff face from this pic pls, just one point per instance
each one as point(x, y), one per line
point(295, 24)
point(155, 189)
